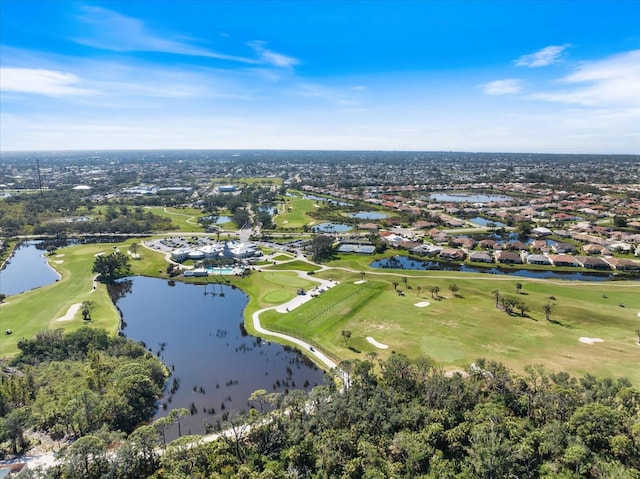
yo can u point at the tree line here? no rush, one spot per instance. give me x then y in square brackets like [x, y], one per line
[398, 418]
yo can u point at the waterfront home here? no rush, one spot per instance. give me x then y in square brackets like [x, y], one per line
[563, 260]
[592, 263]
[622, 264]
[480, 257]
[508, 257]
[452, 254]
[538, 259]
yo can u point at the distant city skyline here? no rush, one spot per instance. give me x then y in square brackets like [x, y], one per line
[486, 76]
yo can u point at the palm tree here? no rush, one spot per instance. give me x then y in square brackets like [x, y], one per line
[496, 293]
[434, 291]
[454, 289]
[523, 308]
[546, 309]
[87, 308]
[346, 334]
[395, 285]
[404, 280]
[518, 287]
[361, 275]
[418, 289]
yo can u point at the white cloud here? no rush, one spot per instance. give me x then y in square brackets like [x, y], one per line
[508, 86]
[41, 81]
[272, 58]
[116, 32]
[542, 58]
[612, 82]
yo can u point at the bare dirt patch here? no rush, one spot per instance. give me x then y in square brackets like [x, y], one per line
[376, 343]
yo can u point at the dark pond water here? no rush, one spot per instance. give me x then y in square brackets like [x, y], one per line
[328, 200]
[271, 209]
[485, 222]
[331, 228]
[215, 363]
[467, 198]
[367, 215]
[403, 262]
[27, 269]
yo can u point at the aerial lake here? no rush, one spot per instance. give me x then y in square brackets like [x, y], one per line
[331, 228]
[368, 215]
[215, 364]
[403, 262]
[26, 269]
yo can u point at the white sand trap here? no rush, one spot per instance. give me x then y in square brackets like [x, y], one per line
[60, 255]
[362, 281]
[590, 340]
[59, 261]
[376, 343]
[71, 312]
[99, 254]
[422, 304]
[639, 315]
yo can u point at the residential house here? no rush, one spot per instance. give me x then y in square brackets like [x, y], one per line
[508, 257]
[592, 263]
[538, 259]
[563, 260]
[622, 264]
[480, 257]
[563, 248]
[452, 254]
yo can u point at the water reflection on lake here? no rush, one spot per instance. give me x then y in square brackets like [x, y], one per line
[367, 215]
[331, 228]
[215, 364]
[27, 269]
[403, 262]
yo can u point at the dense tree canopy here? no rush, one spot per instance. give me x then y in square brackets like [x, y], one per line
[399, 418]
[112, 266]
[77, 383]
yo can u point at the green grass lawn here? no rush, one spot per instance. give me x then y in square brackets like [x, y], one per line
[456, 330]
[186, 219]
[293, 265]
[453, 329]
[294, 214]
[30, 312]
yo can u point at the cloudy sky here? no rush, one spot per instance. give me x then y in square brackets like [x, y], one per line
[508, 76]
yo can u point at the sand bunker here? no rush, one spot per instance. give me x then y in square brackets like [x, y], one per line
[376, 343]
[362, 281]
[59, 261]
[71, 312]
[639, 315]
[422, 304]
[590, 340]
[60, 255]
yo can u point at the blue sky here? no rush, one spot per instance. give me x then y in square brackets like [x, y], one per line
[507, 76]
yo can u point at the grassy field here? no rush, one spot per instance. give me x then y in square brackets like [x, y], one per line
[28, 313]
[453, 329]
[456, 330]
[294, 214]
[186, 219]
